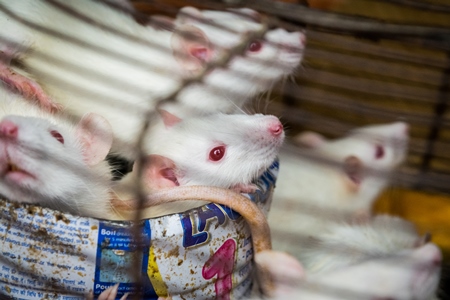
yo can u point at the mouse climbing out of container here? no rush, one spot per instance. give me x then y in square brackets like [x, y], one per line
[200, 160]
[409, 274]
[384, 258]
[411, 263]
[112, 74]
[228, 151]
[48, 161]
[336, 180]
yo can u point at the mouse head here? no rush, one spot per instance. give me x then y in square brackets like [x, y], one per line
[217, 150]
[203, 36]
[43, 161]
[366, 155]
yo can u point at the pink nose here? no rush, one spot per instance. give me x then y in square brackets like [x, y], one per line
[8, 129]
[437, 258]
[276, 128]
[406, 129]
[302, 39]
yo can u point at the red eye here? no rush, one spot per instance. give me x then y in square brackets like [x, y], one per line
[57, 136]
[217, 153]
[379, 152]
[254, 46]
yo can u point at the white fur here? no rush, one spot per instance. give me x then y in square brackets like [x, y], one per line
[311, 196]
[385, 257]
[131, 89]
[62, 180]
[382, 259]
[404, 275]
[250, 148]
[250, 151]
[346, 244]
[122, 104]
[228, 89]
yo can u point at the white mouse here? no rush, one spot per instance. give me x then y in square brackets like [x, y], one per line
[149, 65]
[219, 150]
[266, 60]
[46, 160]
[382, 259]
[335, 180]
[403, 275]
[345, 244]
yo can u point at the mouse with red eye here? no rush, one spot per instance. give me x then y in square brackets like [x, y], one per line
[219, 150]
[48, 161]
[113, 66]
[267, 59]
[335, 180]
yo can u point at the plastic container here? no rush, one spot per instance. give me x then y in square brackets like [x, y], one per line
[198, 254]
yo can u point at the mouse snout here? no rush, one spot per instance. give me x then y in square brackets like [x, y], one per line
[436, 258]
[276, 128]
[8, 129]
[431, 254]
[406, 129]
[401, 128]
[302, 38]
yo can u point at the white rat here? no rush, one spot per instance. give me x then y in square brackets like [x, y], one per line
[124, 85]
[46, 160]
[227, 151]
[345, 244]
[336, 180]
[403, 275]
[383, 258]
[265, 61]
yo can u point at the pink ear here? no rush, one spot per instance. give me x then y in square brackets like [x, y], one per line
[310, 139]
[168, 119]
[96, 136]
[159, 173]
[354, 169]
[191, 48]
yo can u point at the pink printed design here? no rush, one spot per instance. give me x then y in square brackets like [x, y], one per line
[221, 263]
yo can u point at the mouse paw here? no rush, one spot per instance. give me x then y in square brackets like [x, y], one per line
[245, 188]
[28, 88]
[109, 294]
